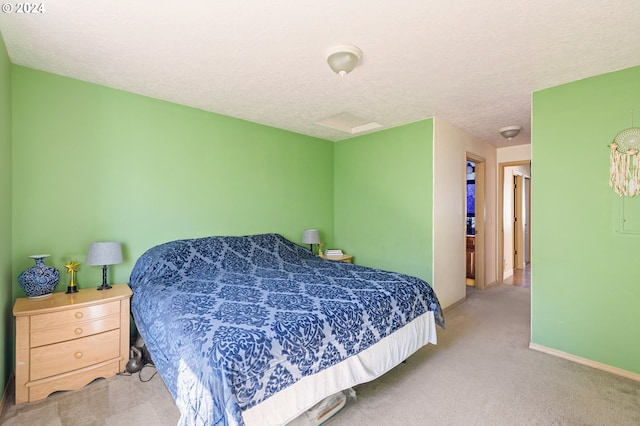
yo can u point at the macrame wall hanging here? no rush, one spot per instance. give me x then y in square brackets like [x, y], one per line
[624, 175]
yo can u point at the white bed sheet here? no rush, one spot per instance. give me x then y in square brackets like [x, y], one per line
[369, 364]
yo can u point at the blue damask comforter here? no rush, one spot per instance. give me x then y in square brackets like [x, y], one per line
[229, 321]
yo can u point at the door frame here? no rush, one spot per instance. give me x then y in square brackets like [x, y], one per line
[501, 179]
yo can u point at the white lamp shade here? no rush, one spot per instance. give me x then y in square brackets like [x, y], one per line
[311, 236]
[104, 253]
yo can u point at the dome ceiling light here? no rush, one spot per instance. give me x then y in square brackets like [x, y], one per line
[510, 132]
[343, 58]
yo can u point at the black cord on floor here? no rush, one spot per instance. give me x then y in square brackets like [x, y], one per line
[126, 373]
[152, 376]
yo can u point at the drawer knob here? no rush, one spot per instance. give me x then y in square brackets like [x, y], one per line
[78, 355]
[79, 315]
[78, 331]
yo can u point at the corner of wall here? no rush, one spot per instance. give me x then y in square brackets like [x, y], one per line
[6, 296]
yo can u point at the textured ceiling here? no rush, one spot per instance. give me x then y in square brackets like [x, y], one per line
[473, 64]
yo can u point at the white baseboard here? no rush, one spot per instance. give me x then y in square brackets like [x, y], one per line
[454, 304]
[584, 361]
[491, 284]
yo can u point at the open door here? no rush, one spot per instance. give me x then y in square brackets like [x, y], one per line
[519, 221]
[527, 220]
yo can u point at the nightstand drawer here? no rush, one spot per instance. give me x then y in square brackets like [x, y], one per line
[60, 358]
[47, 336]
[74, 316]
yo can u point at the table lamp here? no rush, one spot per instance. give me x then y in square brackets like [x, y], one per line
[104, 253]
[311, 237]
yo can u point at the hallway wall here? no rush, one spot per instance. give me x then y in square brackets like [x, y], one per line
[451, 146]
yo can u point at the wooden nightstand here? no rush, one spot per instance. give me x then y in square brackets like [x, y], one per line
[65, 341]
[347, 258]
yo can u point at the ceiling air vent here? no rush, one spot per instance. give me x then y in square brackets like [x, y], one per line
[349, 123]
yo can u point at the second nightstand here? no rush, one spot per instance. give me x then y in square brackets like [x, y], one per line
[347, 258]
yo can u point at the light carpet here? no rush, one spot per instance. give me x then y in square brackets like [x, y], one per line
[480, 373]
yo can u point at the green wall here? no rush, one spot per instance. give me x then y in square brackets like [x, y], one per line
[383, 199]
[586, 280]
[6, 318]
[93, 164]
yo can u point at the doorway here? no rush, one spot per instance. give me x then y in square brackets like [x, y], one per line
[471, 224]
[474, 221]
[514, 205]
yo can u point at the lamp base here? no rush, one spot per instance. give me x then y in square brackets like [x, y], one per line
[104, 285]
[71, 289]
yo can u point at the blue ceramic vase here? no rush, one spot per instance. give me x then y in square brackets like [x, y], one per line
[40, 280]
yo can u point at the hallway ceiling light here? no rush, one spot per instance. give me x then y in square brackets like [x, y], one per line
[510, 132]
[344, 58]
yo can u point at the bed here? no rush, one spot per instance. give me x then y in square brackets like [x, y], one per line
[256, 329]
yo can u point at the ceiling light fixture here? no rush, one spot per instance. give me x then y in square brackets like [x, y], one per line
[510, 132]
[344, 58]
